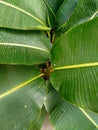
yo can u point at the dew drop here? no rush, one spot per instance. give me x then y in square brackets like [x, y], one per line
[25, 106]
[54, 64]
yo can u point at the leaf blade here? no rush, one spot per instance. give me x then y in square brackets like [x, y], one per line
[88, 116]
[65, 11]
[76, 66]
[77, 71]
[82, 11]
[19, 47]
[30, 17]
[19, 109]
[20, 86]
[52, 6]
[39, 122]
[64, 115]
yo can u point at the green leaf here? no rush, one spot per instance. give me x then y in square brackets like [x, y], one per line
[23, 47]
[23, 14]
[65, 116]
[65, 11]
[93, 115]
[22, 95]
[39, 122]
[53, 6]
[75, 65]
[73, 13]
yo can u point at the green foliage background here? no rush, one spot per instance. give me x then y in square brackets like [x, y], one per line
[49, 62]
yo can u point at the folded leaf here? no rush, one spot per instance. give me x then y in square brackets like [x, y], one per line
[53, 6]
[22, 95]
[75, 65]
[73, 13]
[23, 47]
[40, 119]
[23, 14]
[65, 11]
[65, 116]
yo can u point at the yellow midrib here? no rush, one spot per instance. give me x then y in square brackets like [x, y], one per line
[50, 8]
[22, 45]
[93, 15]
[76, 66]
[23, 11]
[89, 117]
[19, 86]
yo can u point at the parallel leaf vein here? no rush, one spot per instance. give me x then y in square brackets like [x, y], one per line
[89, 117]
[21, 45]
[19, 86]
[21, 10]
[94, 15]
[49, 8]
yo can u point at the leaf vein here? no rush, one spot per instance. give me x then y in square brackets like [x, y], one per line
[21, 10]
[76, 66]
[88, 117]
[21, 45]
[19, 86]
[49, 8]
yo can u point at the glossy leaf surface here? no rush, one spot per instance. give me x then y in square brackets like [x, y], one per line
[22, 95]
[23, 14]
[39, 121]
[65, 11]
[73, 13]
[75, 65]
[23, 47]
[65, 116]
[52, 6]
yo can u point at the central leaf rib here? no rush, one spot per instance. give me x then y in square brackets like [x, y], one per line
[19, 86]
[77, 66]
